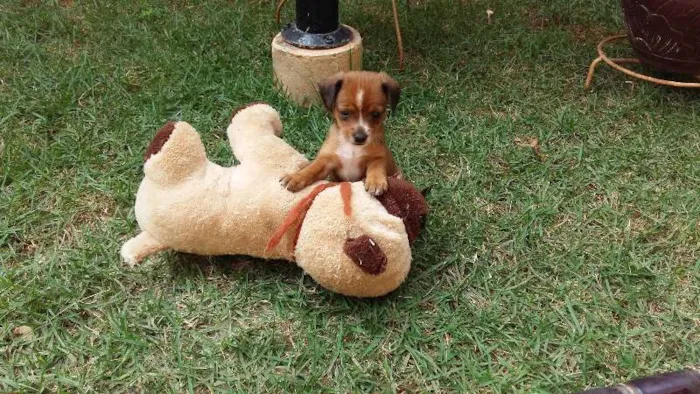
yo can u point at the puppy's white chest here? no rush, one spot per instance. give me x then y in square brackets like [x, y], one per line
[350, 159]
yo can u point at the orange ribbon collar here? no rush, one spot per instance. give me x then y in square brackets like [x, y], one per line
[296, 216]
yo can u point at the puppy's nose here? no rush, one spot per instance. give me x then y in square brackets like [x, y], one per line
[359, 136]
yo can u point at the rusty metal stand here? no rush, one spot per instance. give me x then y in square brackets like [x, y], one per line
[615, 64]
[684, 381]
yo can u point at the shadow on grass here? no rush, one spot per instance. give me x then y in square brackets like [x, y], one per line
[284, 273]
[192, 265]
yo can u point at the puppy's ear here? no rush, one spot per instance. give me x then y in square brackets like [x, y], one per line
[392, 90]
[329, 88]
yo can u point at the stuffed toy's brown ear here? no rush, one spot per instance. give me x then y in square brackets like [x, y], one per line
[329, 88]
[392, 90]
[366, 254]
[403, 200]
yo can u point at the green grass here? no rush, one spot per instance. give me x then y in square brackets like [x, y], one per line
[540, 276]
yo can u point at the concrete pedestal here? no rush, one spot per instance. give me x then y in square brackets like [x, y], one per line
[298, 71]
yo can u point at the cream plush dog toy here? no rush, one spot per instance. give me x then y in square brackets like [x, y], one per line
[347, 240]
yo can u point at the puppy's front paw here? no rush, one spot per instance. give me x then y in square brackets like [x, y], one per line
[376, 186]
[294, 182]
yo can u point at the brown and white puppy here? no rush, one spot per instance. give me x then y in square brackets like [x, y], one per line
[355, 147]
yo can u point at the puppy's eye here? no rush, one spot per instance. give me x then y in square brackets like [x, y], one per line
[344, 115]
[376, 114]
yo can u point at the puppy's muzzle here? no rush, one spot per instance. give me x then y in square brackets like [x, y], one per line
[359, 136]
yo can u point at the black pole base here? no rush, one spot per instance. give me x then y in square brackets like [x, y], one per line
[302, 39]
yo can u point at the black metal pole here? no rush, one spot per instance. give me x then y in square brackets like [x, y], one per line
[316, 26]
[316, 17]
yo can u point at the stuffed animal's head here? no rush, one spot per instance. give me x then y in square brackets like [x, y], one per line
[402, 200]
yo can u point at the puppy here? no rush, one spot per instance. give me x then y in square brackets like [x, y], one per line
[355, 147]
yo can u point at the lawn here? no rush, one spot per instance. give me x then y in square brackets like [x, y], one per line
[574, 268]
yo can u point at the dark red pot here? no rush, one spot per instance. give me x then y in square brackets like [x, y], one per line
[665, 33]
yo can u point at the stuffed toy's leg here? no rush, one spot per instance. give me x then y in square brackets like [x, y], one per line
[254, 135]
[140, 247]
[176, 154]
